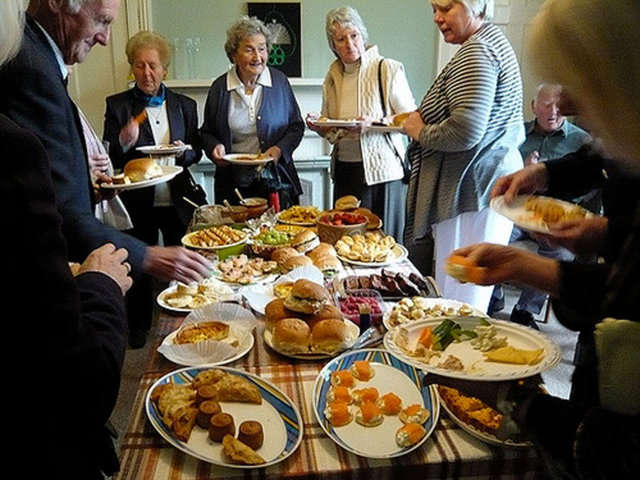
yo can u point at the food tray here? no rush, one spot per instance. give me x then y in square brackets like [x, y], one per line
[376, 318]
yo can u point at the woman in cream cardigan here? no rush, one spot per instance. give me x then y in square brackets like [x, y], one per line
[365, 163]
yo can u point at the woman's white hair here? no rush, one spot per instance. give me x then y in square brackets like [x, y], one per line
[11, 28]
[345, 17]
[591, 48]
[479, 8]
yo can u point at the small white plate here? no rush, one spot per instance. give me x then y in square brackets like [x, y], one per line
[391, 375]
[247, 159]
[186, 241]
[172, 288]
[246, 346]
[475, 365]
[398, 253]
[445, 303]
[166, 149]
[281, 421]
[169, 173]
[516, 212]
[337, 123]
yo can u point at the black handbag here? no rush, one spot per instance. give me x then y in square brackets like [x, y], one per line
[194, 191]
[268, 182]
[404, 161]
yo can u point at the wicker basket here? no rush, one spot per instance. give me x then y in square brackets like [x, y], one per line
[332, 233]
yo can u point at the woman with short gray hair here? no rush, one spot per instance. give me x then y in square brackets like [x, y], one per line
[251, 109]
[362, 84]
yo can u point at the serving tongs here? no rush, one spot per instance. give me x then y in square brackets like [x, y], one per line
[371, 336]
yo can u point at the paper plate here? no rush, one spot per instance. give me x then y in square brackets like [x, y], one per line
[247, 159]
[166, 149]
[169, 173]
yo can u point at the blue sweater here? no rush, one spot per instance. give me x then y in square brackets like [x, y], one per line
[278, 123]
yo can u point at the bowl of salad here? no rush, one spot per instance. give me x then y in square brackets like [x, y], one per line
[269, 240]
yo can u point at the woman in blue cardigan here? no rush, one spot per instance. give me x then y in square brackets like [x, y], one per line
[251, 109]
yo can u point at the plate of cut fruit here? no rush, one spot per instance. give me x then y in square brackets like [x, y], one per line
[373, 405]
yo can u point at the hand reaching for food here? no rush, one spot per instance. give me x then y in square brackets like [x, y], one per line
[111, 262]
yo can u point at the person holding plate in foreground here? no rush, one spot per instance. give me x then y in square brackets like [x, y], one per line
[363, 84]
[596, 435]
[465, 135]
[251, 109]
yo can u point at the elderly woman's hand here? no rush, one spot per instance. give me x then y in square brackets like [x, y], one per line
[531, 179]
[129, 134]
[217, 153]
[585, 236]
[273, 152]
[413, 125]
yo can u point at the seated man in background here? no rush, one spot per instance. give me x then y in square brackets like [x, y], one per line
[549, 136]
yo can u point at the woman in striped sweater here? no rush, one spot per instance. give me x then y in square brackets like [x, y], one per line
[465, 135]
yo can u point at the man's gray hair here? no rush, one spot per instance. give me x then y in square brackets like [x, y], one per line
[74, 6]
[341, 17]
[11, 28]
[243, 28]
[479, 8]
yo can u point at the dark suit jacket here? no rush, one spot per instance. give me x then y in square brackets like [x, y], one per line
[78, 324]
[35, 97]
[183, 125]
[278, 123]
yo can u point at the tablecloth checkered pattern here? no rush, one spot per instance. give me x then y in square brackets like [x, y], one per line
[448, 453]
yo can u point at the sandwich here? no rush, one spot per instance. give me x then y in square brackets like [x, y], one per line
[140, 169]
[329, 265]
[291, 335]
[306, 296]
[322, 249]
[292, 263]
[281, 254]
[120, 179]
[276, 311]
[305, 240]
[348, 202]
[329, 336]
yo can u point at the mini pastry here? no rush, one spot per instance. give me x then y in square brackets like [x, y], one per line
[220, 425]
[390, 404]
[410, 434]
[204, 393]
[239, 452]
[208, 377]
[339, 393]
[250, 433]
[338, 413]
[343, 378]
[206, 410]
[370, 394]
[369, 415]
[414, 414]
[184, 422]
[362, 370]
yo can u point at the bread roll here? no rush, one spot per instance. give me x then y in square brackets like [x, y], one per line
[306, 296]
[329, 336]
[295, 262]
[291, 335]
[281, 254]
[140, 169]
[321, 250]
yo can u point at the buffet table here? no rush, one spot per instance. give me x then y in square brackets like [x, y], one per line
[449, 453]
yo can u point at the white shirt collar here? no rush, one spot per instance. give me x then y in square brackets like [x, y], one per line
[234, 82]
[56, 51]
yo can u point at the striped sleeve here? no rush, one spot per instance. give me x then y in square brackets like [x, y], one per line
[469, 94]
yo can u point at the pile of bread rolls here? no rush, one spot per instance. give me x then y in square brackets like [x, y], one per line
[306, 322]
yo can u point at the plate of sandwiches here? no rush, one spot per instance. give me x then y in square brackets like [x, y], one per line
[183, 298]
[164, 149]
[473, 348]
[476, 418]
[374, 405]
[536, 212]
[248, 159]
[305, 325]
[142, 173]
[224, 416]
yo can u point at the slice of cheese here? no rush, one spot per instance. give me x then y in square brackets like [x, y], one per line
[511, 354]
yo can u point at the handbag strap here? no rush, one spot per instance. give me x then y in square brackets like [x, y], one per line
[384, 110]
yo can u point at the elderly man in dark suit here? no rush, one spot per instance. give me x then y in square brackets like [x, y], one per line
[59, 33]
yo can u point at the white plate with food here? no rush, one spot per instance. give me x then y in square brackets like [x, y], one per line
[244, 348]
[300, 215]
[165, 149]
[181, 298]
[397, 254]
[277, 425]
[409, 310]
[215, 238]
[477, 419]
[537, 212]
[499, 351]
[351, 334]
[240, 270]
[394, 395]
[169, 172]
[247, 159]
[328, 122]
